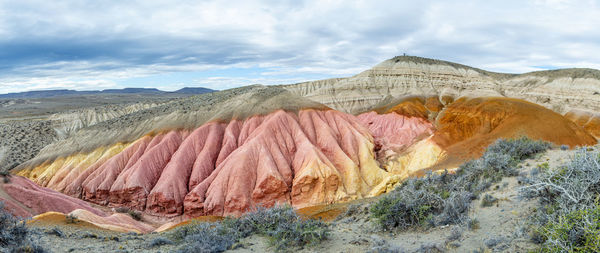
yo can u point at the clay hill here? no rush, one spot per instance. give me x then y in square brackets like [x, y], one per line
[308, 144]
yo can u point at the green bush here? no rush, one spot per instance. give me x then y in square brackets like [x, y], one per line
[577, 231]
[568, 219]
[442, 199]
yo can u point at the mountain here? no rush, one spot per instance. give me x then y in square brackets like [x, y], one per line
[193, 90]
[65, 92]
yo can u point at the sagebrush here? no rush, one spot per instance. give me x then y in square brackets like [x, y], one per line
[442, 199]
[281, 225]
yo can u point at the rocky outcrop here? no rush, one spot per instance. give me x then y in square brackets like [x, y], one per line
[463, 129]
[305, 159]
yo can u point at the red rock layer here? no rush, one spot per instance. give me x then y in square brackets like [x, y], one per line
[395, 132]
[193, 162]
[96, 186]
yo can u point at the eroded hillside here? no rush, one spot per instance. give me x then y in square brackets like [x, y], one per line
[309, 144]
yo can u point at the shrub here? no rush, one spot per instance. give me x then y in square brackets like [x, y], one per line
[133, 213]
[281, 225]
[568, 219]
[455, 234]
[159, 241]
[577, 231]
[5, 174]
[442, 199]
[15, 236]
[488, 200]
[309, 232]
[473, 224]
[71, 219]
[209, 237]
[56, 231]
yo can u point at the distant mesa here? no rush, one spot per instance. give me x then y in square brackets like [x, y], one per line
[65, 92]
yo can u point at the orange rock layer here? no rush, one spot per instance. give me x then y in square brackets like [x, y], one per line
[588, 120]
[468, 125]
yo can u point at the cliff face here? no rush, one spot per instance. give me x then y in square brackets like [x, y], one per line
[559, 90]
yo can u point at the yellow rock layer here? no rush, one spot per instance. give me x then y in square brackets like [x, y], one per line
[52, 173]
[116, 222]
[421, 155]
[76, 169]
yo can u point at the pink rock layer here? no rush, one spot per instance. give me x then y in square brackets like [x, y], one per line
[395, 132]
[133, 185]
[96, 186]
[305, 158]
[24, 198]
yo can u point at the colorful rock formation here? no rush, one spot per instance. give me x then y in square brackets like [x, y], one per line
[304, 158]
[300, 158]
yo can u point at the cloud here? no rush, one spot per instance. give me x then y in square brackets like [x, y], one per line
[86, 45]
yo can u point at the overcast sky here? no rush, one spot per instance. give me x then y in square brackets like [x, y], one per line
[222, 44]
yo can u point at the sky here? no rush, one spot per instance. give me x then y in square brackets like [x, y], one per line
[91, 45]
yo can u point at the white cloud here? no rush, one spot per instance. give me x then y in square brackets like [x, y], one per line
[80, 44]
